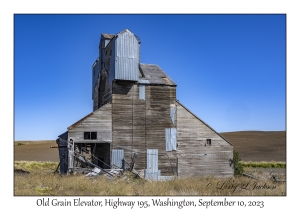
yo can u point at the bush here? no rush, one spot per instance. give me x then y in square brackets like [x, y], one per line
[238, 167]
[263, 164]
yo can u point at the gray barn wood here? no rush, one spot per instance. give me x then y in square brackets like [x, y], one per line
[135, 122]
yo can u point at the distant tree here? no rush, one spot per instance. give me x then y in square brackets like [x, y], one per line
[238, 168]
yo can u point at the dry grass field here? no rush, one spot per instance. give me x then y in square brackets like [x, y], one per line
[35, 161]
[35, 178]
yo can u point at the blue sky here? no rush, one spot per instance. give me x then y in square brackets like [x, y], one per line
[230, 70]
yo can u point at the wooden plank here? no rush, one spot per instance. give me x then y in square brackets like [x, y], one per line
[197, 158]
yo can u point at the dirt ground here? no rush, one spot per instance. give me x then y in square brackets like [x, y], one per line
[35, 151]
[259, 145]
[251, 145]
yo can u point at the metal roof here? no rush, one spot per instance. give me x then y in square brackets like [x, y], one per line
[108, 36]
[155, 75]
[128, 30]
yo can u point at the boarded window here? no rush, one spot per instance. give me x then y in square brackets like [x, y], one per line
[152, 171]
[90, 135]
[117, 158]
[171, 141]
[142, 91]
[172, 114]
[152, 160]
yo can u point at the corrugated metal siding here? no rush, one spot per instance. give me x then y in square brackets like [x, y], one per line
[142, 92]
[152, 171]
[168, 140]
[152, 160]
[173, 139]
[171, 142]
[117, 158]
[172, 114]
[152, 175]
[127, 57]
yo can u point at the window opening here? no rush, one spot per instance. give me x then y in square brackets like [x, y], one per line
[90, 135]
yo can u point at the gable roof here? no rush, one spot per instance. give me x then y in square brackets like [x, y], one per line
[79, 121]
[114, 36]
[129, 31]
[87, 116]
[203, 122]
[155, 75]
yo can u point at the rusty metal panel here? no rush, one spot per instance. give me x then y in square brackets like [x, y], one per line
[117, 158]
[127, 56]
[142, 92]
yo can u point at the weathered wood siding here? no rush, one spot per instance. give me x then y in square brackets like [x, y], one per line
[140, 124]
[96, 97]
[122, 117]
[158, 105]
[100, 121]
[195, 157]
[104, 91]
[135, 125]
[102, 88]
